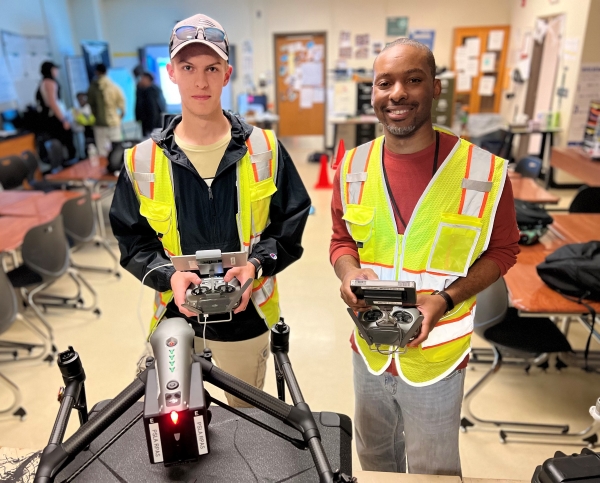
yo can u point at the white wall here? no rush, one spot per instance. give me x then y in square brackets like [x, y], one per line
[130, 24]
[523, 21]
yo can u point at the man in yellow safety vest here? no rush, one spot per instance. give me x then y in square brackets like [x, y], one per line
[211, 181]
[418, 204]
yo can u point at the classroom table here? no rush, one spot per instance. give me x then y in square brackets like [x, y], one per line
[14, 196]
[527, 189]
[13, 230]
[528, 293]
[577, 163]
[45, 207]
[91, 177]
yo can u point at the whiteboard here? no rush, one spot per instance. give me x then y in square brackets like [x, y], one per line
[77, 76]
[24, 55]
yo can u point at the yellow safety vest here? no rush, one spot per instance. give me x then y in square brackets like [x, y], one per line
[151, 174]
[449, 229]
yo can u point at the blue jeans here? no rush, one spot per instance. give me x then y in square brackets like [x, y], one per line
[395, 421]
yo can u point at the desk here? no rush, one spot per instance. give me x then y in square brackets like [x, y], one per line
[526, 289]
[527, 189]
[577, 163]
[45, 207]
[506, 147]
[350, 121]
[15, 145]
[13, 196]
[13, 230]
[84, 171]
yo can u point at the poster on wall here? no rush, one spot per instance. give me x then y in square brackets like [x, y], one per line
[362, 40]
[362, 53]
[248, 65]
[396, 26]
[95, 52]
[345, 38]
[588, 90]
[345, 53]
[377, 47]
[425, 36]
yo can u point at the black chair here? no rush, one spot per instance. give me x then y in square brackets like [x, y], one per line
[587, 200]
[55, 154]
[45, 254]
[529, 167]
[525, 340]
[12, 172]
[81, 227]
[117, 153]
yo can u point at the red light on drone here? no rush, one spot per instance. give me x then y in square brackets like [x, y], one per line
[174, 417]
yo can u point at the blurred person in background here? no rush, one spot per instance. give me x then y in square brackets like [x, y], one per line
[149, 104]
[53, 114]
[108, 106]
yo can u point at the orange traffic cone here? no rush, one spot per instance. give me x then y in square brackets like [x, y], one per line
[341, 152]
[323, 182]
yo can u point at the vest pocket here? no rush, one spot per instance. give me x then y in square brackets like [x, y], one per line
[260, 201]
[157, 213]
[360, 222]
[454, 244]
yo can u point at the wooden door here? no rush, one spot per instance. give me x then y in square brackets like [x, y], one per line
[300, 91]
[493, 44]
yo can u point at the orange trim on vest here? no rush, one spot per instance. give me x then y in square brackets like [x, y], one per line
[256, 289]
[457, 319]
[362, 186]
[269, 148]
[133, 166]
[447, 342]
[379, 264]
[349, 171]
[487, 193]
[464, 190]
[423, 271]
[268, 298]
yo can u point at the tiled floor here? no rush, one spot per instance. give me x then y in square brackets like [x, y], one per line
[111, 345]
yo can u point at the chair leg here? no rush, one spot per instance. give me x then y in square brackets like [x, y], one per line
[586, 436]
[45, 323]
[469, 419]
[115, 269]
[28, 347]
[15, 409]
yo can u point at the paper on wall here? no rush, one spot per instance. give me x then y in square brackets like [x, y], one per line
[488, 62]
[306, 98]
[463, 82]
[486, 85]
[345, 38]
[473, 46]
[495, 40]
[571, 49]
[312, 74]
[460, 58]
[318, 95]
[472, 69]
[588, 89]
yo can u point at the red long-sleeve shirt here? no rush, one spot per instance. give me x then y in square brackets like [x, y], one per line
[408, 176]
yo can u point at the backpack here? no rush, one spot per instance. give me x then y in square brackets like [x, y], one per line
[532, 221]
[573, 270]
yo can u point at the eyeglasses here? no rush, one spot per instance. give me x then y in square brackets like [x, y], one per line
[210, 34]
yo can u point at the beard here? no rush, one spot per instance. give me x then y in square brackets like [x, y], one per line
[405, 131]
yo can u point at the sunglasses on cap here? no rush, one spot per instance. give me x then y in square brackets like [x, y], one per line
[210, 34]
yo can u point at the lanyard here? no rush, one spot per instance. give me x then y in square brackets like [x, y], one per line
[435, 167]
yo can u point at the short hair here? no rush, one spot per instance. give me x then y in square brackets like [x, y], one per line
[148, 75]
[413, 43]
[100, 68]
[81, 94]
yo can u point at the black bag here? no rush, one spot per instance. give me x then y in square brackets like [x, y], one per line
[584, 467]
[573, 270]
[532, 221]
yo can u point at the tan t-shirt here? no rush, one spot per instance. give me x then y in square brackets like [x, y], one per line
[205, 159]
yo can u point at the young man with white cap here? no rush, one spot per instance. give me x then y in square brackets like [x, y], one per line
[211, 181]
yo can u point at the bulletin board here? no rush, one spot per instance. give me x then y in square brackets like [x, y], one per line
[300, 66]
[23, 57]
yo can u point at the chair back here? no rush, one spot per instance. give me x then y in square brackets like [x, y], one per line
[116, 157]
[8, 303]
[78, 218]
[492, 305]
[529, 167]
[55, 153]
[587, 200]
[45, 249]
[32, 163]
[12, 172]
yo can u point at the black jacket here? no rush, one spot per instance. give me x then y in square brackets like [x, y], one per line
[206, 220]
[149, 106]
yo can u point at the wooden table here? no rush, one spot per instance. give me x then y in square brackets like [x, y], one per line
[84, 171]
[527, 189]
[45, 207]
[15, 145]
[526, 289]
[14, 196]
[577, 163]
[14, 228]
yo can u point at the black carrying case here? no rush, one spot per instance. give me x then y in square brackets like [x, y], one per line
[239, 452]
[584, 467]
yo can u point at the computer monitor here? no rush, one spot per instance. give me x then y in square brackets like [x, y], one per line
[8, 117]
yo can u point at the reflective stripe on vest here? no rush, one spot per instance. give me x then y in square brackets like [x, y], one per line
[459, 204]
[150, 172]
